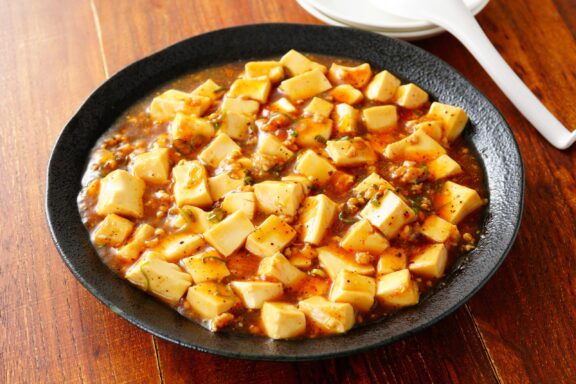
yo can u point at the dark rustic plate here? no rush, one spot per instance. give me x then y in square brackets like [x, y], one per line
[488, 133]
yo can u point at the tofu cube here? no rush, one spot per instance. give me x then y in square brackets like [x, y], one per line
[318, 107]
[439, 230]
[255, 89]
[318, 213]
[333, 260]
[454, 119]
[270, 237]
[113, 231]
[433, 128]
[121, 193]
[209, 89]
[430, 262]
[383, 118]
[247, 107]
[255, 293]
[278, 197]
[361, 237]
[391, 260]
[131, 251]
[346, 93]
[220, 147]
[153, 167]
[191, 184]
[370, 185]
[410, 96]
[282, 320]
[346, 118]
[273, 70]
[296, 63]
[270, 145]
[222, 184]
[315, 167]
[397, 289]
[417, 147]
[301, 180]
[278, 267]
[455, 202]
[351, 153]
[178, 245]
[312, 133]
[328, 316]
[442, 167]
[355, 289]
[357, 76]
[388, 213]
[210, 299]
[305, 85]
[163, 279]
[282, 105]
[236, 125]
[169, 103]
[382, 87]
[229, 234]
[240, 201]
[191, 219]
[190, 129]
[206, 266]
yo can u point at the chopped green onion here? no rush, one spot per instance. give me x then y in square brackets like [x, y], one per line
[292, 133]
[216, 215]
[347, 220]
[318, 273]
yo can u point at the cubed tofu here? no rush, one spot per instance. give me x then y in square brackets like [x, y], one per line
[190, 129]
[454, 119]
[346, 118]
[178, 245]
[351, 153]
[333, 260]
[278, 197]
[433, 128]
[273, 70]
[236, 125]
[191, 219]
[131, 251]
[161, 278]
[220, 147]
[282, 320]
[248, 107]
[439, 230]
[430, 262]
[355, 289]
[240, 201]
[370, 185]
[305, 85]
[229, 234]
[210, 299]
[153, 167]
[382, 118]
[191, 184]
[455, 202]
[442, 167]
[113, 231]
[382, 87]
[209, 89]
[255, 293]
[206, 266]
[388, 213]
[282, 105]
[318, 213]
[397, 289]
[301, 180]
[270, 237]
[121, 193]
[222, 184]
[270, 145]
[357, 76]
[328, 316]
[255, 89]
[361, 237]
[318, 107]
[391, 260]
[346, 93]
[296, 63]
[315, 167]
[312, 133]
[410, 96]
[278, 267]
[417, 147]
[165, 106]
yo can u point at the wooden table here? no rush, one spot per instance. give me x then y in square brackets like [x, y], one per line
[519, 328]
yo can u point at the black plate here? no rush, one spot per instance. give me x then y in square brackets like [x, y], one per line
[488, 133]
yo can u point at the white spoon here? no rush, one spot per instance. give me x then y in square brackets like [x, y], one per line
[453, 16]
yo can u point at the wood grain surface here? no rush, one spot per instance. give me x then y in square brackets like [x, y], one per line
[520, 328]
